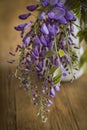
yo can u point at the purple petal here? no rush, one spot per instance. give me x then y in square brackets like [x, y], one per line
[64, 72]
[24, 16]
[45, 2]
[43, 16]
[52, 92]
[53, 29]
[60, 4]
[57, 62]
[57, 88]
[53, 2]
[50, 45]
[59, 12]
[40, 65]
[62, 20]
[36, 51]
[44, 29]
[43, 41]
[63, 43]
[72, 28]
[20, 27]
[28, 59]
[26, 40]
[70, 16]
[50, 101]
[32, 7]
[70, 41]
[51, 15]
[37, 40]
[28, 25]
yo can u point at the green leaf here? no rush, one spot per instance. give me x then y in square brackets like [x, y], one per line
[49, 54]
[83, 59]
[61, 53]
[57, 75]
[82, 34]
[57, 71]
[53, 69]
[57, 79]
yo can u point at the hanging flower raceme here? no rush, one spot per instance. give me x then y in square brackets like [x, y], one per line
[47, 48]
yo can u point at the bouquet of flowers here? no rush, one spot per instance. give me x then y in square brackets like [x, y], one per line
[48, 49]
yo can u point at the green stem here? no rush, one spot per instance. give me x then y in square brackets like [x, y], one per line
[71, 65]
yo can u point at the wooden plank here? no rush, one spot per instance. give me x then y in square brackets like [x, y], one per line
[18, 113]
[8, 103]
[66, 114]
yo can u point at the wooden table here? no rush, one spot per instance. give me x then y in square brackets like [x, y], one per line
[69, 111]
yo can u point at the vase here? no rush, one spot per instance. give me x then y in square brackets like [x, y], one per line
[75, 74]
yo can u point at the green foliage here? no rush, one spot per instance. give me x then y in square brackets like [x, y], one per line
[57, 75]
[75, 6]
[61, 53]
[82, 34]
[49, 54]
[53, 69]
[83, 59]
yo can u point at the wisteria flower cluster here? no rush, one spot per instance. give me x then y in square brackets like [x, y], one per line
[47, 49]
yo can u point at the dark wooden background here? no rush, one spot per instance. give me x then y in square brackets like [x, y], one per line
[69, 111]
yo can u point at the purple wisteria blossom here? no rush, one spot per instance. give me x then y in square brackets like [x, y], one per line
[46, 51]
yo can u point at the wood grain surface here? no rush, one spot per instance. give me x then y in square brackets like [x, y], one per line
[17, 112]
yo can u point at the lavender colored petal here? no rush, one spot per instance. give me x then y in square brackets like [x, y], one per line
[36, 51]
[70, 16]
[57, 62]
[60, 4]
[28, 25]
[59, 12]
[43, 41]
[53, 2]
[50, 45]
[20, 27]
[43, 16]
[44, 29]
[28, 59]
[52, 92]
[70, 41]
[62, 20]
[64, 43]
[64, 72]
[45, 2]
[51, 15]
[71, 28]
[37, 40]
[40, 65]
[26, 41]
[53, 29]
[57, 87]
[50, 101]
